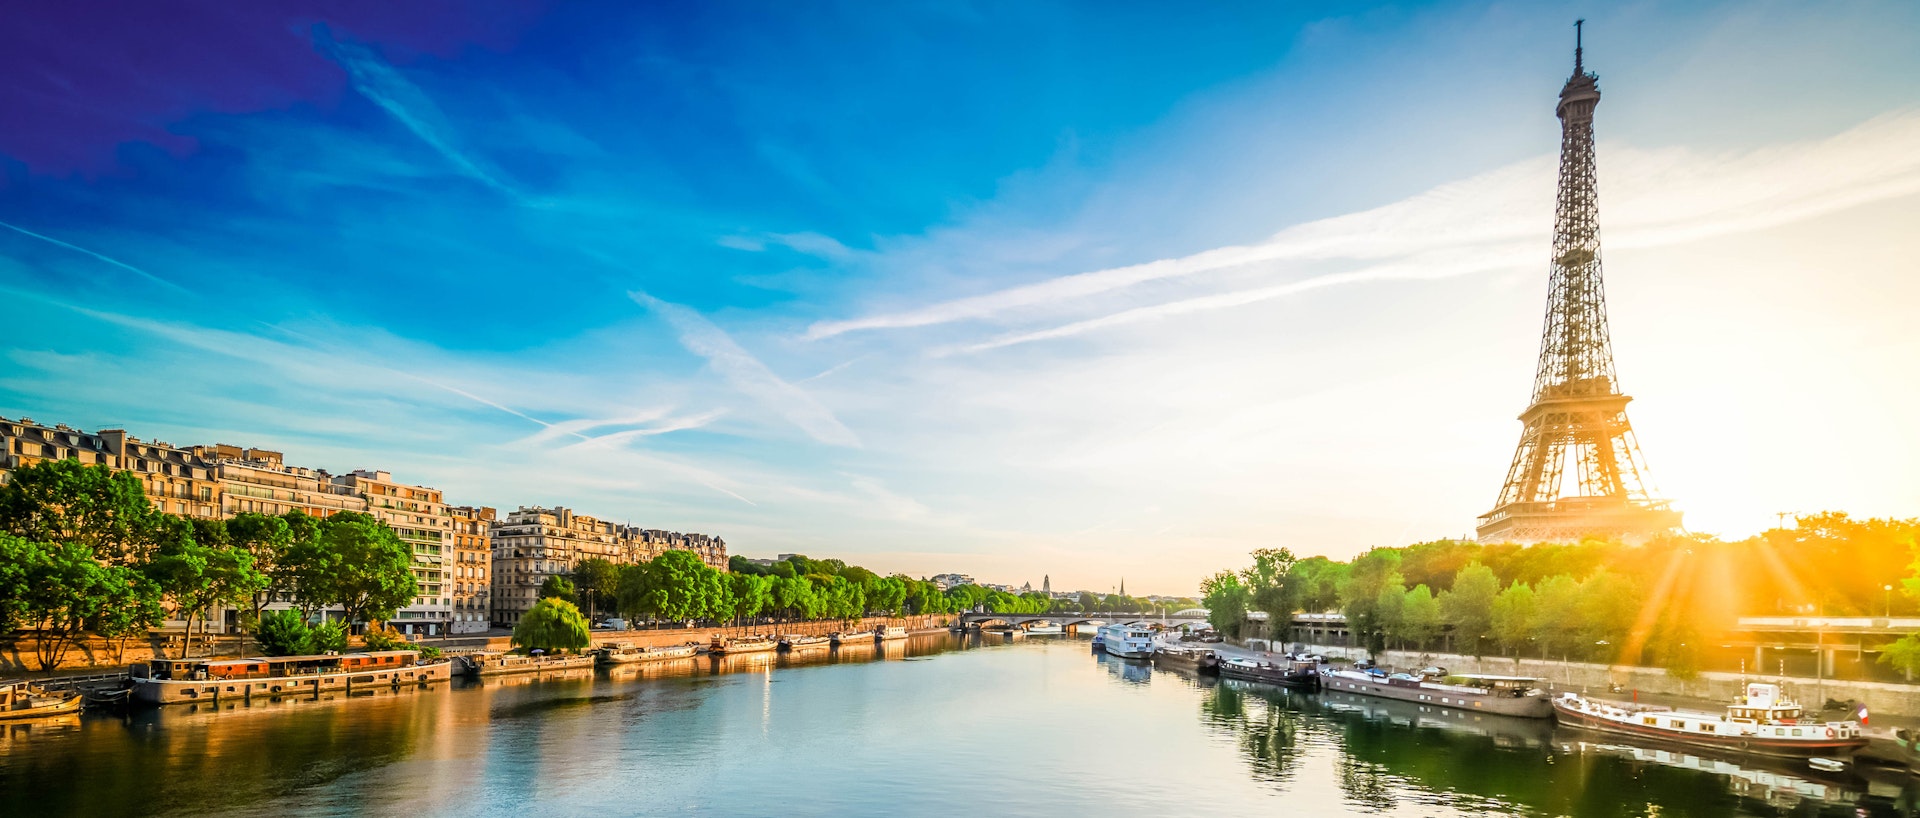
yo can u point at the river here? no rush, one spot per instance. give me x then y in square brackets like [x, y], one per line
[938, 725]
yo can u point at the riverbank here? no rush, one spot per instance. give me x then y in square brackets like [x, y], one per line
[98, 656]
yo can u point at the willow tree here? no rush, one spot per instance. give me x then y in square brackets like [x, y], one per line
[552, 624]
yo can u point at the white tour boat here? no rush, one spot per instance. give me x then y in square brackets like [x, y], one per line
[1127, 641]
[1764, 721]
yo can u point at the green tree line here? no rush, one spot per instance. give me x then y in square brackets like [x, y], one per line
[1596, 599]
[82, 551]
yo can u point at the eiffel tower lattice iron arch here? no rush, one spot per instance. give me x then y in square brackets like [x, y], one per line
[1578, 414]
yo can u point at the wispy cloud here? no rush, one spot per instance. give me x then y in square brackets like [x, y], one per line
[394, 93]
[1488, 222]
[100, 256]
[746, 373]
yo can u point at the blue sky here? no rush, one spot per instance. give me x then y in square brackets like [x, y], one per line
[1013, 289]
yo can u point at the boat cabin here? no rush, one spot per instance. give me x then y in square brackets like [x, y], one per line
[1763, 703]
[267, 667]
[1510, 686]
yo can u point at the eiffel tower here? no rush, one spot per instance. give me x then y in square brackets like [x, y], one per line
[1578, 413]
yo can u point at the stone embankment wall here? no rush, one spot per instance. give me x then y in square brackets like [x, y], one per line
[1880, 697]
[17, 657]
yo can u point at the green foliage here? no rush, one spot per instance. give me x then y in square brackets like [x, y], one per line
[94, 507]
[751, 594]
[356, 562]
[597, 584]
[284, 633]
[1513, 618]
[553, 625]
[1467, 609]
[1226, 601]
[1269, 586]
[675, 586]
[557, 587]
[1903, 654]
[329, 637]
[1419, 616]
[198, 576]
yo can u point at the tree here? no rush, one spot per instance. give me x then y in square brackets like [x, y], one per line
[1373, 579]
[675, 585]
[1226, 600]
[266, 539]
[198, 576]
[356, 562]
[750, 593]
[61, 501]
[1609, 603]
[65, 588]
[552, 624]
[1556, 616]
[18, 556]
[1270, 591]
[284, 633]
[1467, 609]
[556, 587]
[1512, 616]
[1420, 616]
[130, 606]
[598, 583]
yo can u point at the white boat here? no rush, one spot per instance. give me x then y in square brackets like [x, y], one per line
[794, 641]
[1505, 695]
[1764, 721]
[624, 654]
[1127, 641]
[1044, 629]
[890, 632]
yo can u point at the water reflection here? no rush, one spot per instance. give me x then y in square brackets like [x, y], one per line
[863, 730]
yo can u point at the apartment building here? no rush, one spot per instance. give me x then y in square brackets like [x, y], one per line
[469, 568]
[259, 481]
[641, 545]
[534, 543]
[417, 514]
[176, 480]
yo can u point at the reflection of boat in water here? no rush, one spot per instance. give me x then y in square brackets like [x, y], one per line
[1133, 672]
[1505, 695]
[22, 700]
[625, 654]
[1505, 731]
[1746, 778]
[1764, 721]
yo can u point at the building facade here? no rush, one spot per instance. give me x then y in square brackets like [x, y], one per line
[417, 514]
[534, 543]
[176, 480]
[469, 570]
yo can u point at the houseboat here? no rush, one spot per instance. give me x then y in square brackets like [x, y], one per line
[1765, 720]
[1127, 641]
[22, 700]
[857, 637]
[794, 641]
[889, 633]
[1192, 660]
[757, 643]
[1506, 695]
[490, 663]
[625, 654]
[1296, 673]
[173, 681]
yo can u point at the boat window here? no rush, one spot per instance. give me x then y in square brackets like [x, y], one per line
[1651, 721]
[1677, 724]
[1706, 728]
[1796, 731]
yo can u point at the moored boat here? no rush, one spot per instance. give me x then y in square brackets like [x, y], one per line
[1191, 660]
[890, 632]
[1297, 673]
[1765, 720]
[723, 645]
[173, 681]
[20, 699]
[856, 637]
[488, 663]
[1506, 695]
[626, 654]
[1045, 629]
[794, 641]
[1126, 641]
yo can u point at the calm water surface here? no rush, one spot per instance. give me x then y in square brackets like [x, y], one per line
[937, 726]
